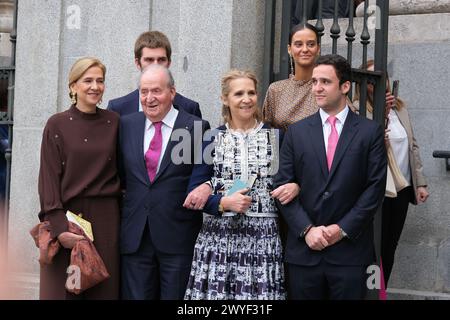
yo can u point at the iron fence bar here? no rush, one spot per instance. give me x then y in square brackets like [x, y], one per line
[365, 37]
[335, 29]
[365, 40]
[372, 77]
[304, 10]
[4, 70]
[350, 33]
[381, 52]
[319, 24]
[350, 37]
[286, 18]
[269, 40]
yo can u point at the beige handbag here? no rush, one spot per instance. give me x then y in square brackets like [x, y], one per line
[397, 176]
[391, 191]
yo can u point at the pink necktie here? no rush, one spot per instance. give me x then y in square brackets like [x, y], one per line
[332, 140]
[154, 152]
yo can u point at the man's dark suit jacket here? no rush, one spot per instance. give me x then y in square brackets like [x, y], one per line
[130, 104]
[349, 195]
[173, 229]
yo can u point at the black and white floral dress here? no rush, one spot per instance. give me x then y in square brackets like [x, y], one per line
[237, 256]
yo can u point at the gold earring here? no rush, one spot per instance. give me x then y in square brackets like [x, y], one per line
[73, 97]
[291, 60]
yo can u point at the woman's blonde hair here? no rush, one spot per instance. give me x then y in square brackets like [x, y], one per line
[369, 105]
[231, 75]
[80, 67]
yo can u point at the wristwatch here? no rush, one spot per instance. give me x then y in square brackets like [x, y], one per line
[343, 233]
[220, 210]
[209, 183]
[306, 230]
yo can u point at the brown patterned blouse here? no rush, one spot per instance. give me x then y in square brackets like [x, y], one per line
[288, 101]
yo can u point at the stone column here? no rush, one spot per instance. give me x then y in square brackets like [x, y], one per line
[208, 40]
[6, 25]
[401, 7]
[418, 6]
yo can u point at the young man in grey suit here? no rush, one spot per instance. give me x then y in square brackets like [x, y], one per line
[151, 47]
[339, 160]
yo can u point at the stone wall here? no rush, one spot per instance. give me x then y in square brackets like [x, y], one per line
[408, 7]
[207, 41]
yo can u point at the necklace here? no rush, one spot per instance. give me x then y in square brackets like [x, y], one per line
[243, 131]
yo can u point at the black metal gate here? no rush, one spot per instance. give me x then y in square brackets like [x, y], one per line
[289, 8]
[7, 77]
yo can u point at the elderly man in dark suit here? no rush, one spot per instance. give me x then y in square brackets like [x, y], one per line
[339, 160]
[157, 233]
[151, 47]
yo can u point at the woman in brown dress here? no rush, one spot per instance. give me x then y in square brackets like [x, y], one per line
[78, 173]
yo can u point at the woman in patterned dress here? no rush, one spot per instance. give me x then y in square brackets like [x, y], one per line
[238, 252]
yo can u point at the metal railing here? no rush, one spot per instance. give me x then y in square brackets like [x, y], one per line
[440, 154]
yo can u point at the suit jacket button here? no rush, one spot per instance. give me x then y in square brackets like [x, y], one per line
[326, 194]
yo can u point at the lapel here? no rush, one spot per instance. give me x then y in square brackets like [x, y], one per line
[316, 134]
[180, 123]
[348, 133]
[135, 100]
[138, 146]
